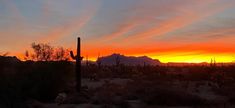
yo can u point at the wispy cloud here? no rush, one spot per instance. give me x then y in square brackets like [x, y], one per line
[133, 27]
[70, 25]
[122, 30]
[66, 29]
[188, 17]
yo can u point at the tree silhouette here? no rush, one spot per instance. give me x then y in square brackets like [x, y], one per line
[42, 52]
[46, 52]
[61, 54]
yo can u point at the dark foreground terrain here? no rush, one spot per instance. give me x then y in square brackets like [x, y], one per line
[39, 84]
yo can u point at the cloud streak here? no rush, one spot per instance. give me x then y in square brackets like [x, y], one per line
[133, 27]
[70, 25]
[178, 22]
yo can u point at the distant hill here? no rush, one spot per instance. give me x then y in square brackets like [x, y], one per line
[128, 60]
[9, 60]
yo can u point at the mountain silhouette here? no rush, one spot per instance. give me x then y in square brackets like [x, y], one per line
[127, 60]
[9, 60]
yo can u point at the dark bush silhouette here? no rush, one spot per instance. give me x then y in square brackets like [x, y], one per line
[45, 80]
[46, 52]
[20, 81]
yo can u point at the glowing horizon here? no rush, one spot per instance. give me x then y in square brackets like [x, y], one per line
[177, 58]
[191, 31]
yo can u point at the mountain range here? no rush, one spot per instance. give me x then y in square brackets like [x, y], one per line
[127, 60]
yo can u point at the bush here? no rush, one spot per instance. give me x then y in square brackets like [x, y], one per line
[171, 98]
[45, 80]
[38, 80]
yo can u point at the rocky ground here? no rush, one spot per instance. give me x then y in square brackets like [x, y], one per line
[202, 89]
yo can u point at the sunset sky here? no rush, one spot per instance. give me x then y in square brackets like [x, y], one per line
[168, 30]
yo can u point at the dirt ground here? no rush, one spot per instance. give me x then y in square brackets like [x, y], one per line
[202, 89]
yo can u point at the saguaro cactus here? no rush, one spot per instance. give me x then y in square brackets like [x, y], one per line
[78, 59]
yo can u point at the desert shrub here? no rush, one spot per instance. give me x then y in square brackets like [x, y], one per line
[110, 94]
[171, 98]
[227, 91]
[10, 90]
[20, 81]
[160, 93]
[10, 94]
[44, 80]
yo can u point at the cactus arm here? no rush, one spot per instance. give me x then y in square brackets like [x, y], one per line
[72, 55]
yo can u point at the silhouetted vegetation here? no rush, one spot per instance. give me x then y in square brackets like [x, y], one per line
[20, 81]
[103, 85]
[46, 52]
[78, 60]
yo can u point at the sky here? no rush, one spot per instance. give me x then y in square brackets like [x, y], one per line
[168, 30]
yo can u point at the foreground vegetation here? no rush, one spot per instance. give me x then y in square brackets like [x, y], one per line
[22, 83]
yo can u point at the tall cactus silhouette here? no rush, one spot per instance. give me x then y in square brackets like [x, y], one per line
[78, 59]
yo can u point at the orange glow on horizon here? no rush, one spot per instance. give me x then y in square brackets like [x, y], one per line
[200, 58]
[188, 53]
[175, 57]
